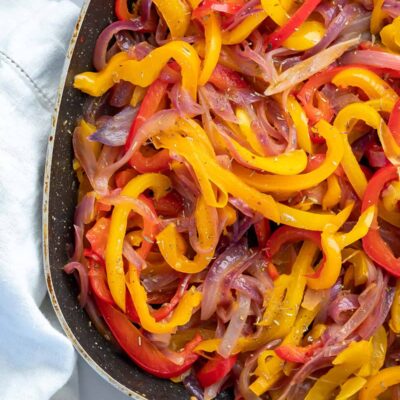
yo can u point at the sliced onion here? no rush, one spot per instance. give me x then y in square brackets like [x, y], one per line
[313, 298]
[373, 58]
[241, 206]
[212, 391]
[343, 19]
[218, 103]
[378, 316]
[192, 385]
[235, 327]
[184, 103]
[392, 7]
[84, 211]
[234, 256]
[115, 131]
[132, 256]
[339, 308]
[249, 286]
[121, 94]
[84, 153]
[307, 68]
[368, 299]
[83, 279]
[78, 243]
[250, 8]
[163, 120]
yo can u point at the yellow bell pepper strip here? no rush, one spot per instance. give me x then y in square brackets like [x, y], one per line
[176, 14]
[269, 371]
[359, 262]
[377, 17]
[275, 39]
[372, 118]
[390, 35]
[346, 363]
[333, 193]
[377, 359]
[351, 387]
[159, 184]
[86, 130]
[306, 36]
[270, 183]
[380, 382]
[394, 322]
[290, 163]
[274, 299]
[359, 230]
[332, 243]
[145, 71]
[213, 36]
[244, 29]
[270, 366]
[168, 240]
[300, 122]
[295, 291]
[274, 9]
[228, 182]
[244, 122]
[180, 316]
[391, 196]
[369, 82]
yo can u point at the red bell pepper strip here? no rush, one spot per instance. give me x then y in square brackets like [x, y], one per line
[263, 232]
[149, 106]
[276, 38]
[98, 235]
[98, 276]
[170, 205]
[141, 350]
[375, 247]
[272, 271]
[223, 78]
[149, 230]
[297, 354]
[123, 177]
[226, 7]
[122, 11]
[394, 122]
[215, 369]
[287, 234]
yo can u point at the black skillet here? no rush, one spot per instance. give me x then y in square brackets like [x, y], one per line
[59, 200]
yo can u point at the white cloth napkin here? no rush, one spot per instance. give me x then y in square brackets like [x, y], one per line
[35, 359]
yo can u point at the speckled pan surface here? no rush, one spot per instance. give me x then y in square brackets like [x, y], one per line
[58, 208]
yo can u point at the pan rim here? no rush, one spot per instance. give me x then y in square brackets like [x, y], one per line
[45, 218]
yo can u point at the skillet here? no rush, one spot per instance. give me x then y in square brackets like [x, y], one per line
[59, 201]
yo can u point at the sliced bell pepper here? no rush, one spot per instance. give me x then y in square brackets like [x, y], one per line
[149, 230]
[215, 369]
[275, 10]
[368, 81]
[394, 122]
[168, 240]
[122, 11]
[97, 235]
[308, 34]
[300, 122]
[345, 364]
[371, 117]
[394, 322]
[271, 183]
[296, 354]
[170, 205]
[350, 388]
[390, 35]
[276, 39]
[213, 38]
[263, 232]
[226, 7]
[145, 71]
[159, 184]
[377, 17]
[375, 247]
[176, 14]
[333, 194]
[141, 350]
[180, 316]
[244, 29]
[380, 382]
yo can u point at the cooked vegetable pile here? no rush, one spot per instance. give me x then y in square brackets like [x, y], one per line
[238, 216]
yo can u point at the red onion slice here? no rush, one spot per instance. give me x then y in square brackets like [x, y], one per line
[83, 279]
[116, 129]
[373, 58]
